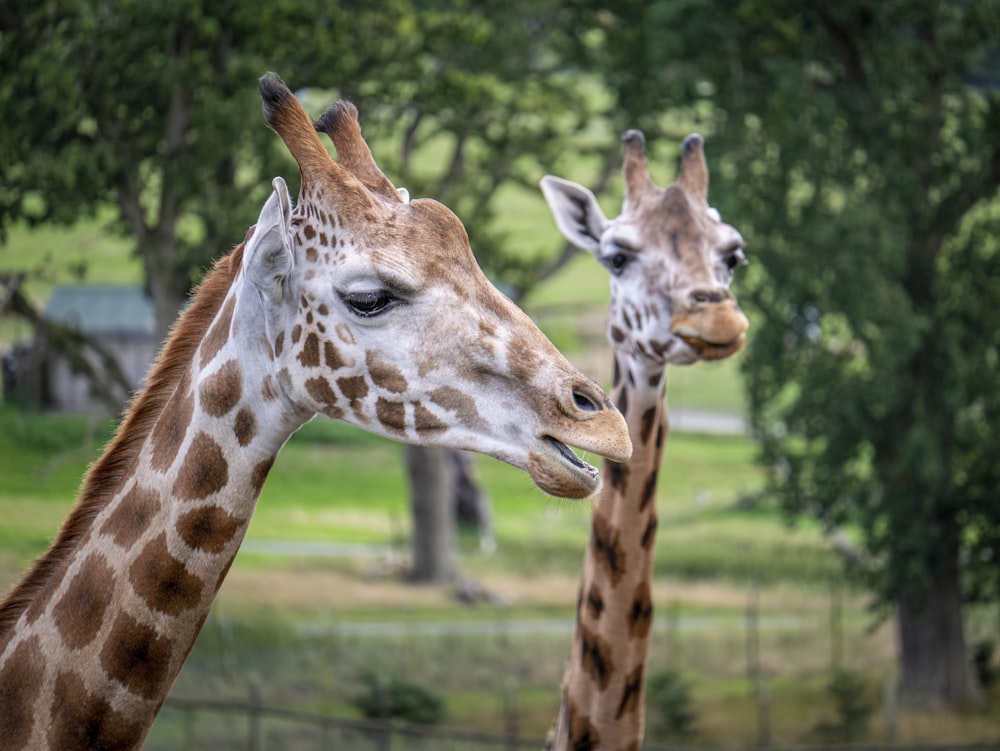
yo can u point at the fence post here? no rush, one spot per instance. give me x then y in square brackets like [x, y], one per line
[673, 625]
[836, 628]
[253, 716]
[889, 706]
[758, 689]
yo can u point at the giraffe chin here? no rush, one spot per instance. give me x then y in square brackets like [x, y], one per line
[714, 350]
[558, 471]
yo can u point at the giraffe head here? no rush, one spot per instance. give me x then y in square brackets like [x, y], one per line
[378, 314]
[670, 256]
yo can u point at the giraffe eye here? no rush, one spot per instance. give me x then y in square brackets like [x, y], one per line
[617, 261]
[368, 303]
[735, 258]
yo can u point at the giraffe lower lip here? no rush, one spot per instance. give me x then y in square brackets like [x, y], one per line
[713, 350]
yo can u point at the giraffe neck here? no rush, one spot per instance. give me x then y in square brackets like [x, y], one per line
[94, 637]
[603, 702]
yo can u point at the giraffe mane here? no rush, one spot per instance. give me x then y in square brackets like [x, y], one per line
[119, 456]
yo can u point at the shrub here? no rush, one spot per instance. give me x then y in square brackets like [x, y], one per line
[669, 707]
[852, 708]
[385, 698]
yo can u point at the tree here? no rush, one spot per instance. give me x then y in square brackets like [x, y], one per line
[860, 153]
[154, 110]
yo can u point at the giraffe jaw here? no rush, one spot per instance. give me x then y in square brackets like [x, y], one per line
[558, 471]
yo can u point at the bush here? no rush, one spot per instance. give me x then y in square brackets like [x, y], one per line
[385, 698]
[670, 710]
[847, 690]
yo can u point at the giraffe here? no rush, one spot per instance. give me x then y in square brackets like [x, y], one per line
[671, 259]
[356, 304]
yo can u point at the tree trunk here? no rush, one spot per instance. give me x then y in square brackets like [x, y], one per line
[432, 492]
[934, 663]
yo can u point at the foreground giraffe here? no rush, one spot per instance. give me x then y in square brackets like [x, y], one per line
[671, 260]
[355, 304]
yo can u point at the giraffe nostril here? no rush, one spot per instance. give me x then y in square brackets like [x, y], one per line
[584, 402]
[709, 296]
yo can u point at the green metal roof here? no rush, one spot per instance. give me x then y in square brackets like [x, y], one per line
[102, 308]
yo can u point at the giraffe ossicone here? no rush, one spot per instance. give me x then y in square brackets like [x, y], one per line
[671, 259]
[354, 303]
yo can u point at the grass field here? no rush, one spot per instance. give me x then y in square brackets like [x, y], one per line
[301, 629]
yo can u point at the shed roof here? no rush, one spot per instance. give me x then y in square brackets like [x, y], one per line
[102, 308]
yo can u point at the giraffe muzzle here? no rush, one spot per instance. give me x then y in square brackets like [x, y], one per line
[714, 333]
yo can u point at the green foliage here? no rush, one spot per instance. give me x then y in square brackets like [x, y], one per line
[856, 182]
[669, 707]
[853, 710]
[391, 697]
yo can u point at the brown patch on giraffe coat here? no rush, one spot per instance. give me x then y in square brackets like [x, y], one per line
[425, 421]
[583, 734]
[320, 390]
[384, 374]
[649, 533]
[331, 355]
[79, 614]
[354, 389]
[648, 490]
[20, 686]
[162, 581]
[463, 405]
[171, 427]
[218, 335]
[594, 602]
[137, 656]
[209, 528]
[296, 333]
[131, 516]
[312, 255]
[204, 470]
[621, 401]
[618, 474]
[309, 231]
[259, 474]
[595, 657]
[309, 354]
[631, 693]
[279, 343]
[640, 612]
[608, 551]
[391, 414]
[647, 423]
[245, 426]
[617, 335]
[80, 720]
[267, 389]
[221, 391]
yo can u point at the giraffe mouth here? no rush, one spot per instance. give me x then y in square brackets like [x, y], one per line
[570, 456]
[708, 350]
[558, 471]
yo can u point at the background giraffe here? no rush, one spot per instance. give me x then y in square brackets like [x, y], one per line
[671, 260]
[356, 304]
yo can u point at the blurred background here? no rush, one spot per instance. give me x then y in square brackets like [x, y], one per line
[827, 561]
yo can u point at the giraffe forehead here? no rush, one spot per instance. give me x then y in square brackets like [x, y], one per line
[418, 243]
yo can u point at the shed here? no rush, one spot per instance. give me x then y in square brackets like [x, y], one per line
[120, 317]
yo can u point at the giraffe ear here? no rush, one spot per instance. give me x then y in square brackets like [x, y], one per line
[268, 259]
[576, 211]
